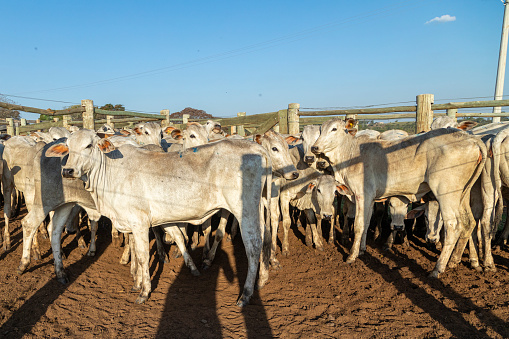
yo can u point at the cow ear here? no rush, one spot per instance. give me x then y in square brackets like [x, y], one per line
[350, 123]
[310, 188]
[192, 123]
[106, 146]
[291, 139]
[124, 132]
[467, 125]
[169, 129]
[258, 138]
[137, 130]
[414, 214]
[342, 189]
[57, 151]
[176, 134]
[5, 136]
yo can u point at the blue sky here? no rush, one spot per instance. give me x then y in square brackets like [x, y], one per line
[258, 56]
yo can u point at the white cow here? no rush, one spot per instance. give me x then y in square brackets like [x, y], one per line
[135, 189]
[410, 167]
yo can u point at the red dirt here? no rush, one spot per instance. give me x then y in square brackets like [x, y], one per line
[314, 294]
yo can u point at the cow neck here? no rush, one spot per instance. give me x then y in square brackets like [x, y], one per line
[96, 177]
[342, 155]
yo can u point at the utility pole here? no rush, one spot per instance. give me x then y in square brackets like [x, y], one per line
[499, 87]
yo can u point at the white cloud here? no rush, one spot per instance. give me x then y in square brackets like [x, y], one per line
[443, 18]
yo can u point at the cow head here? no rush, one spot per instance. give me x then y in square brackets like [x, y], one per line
[194, 135]
[332, 134]
[323, 194]
[84, 148]
[213, 127]
[310, 134]
[279, 154]
[398, 207]
[148, 133]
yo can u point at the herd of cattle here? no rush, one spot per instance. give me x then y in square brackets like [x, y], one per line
[147, 176]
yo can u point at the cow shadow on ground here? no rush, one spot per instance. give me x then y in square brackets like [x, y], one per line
[34, 308]
[417, 292]
[202, 307]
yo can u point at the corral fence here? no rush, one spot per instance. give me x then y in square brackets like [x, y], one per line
[287, 121]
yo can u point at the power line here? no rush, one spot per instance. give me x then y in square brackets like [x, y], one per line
[388, 10]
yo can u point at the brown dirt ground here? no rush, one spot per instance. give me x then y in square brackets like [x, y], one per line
[314, 294]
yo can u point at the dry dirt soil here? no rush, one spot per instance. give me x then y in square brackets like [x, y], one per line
[384, 294]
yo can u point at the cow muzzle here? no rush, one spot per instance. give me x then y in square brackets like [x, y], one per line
[315, 149]
[309, 158]
[291, 176]
[327, 217]
[68, 172]
[397, 227]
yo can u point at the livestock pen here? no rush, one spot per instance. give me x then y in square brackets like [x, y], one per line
[314, 293]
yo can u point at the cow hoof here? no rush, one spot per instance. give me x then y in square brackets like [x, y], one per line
[243, 301]
[275, 264]
[81, 244]
[478, 269]
[387, 247]
[452, 265]
[350, 260]
[124, 262]
[141, 300]
[116, 241]
[37, 256]
[331, 241]
[434, 274]
[490, 269]
[319, 248]
[92, 253]
[196, 273]
[7, 247]
[163, 259]
[285, 253]
[205, 266]
[135, 288]
[63, 280]
[177, 254]
[21, 269]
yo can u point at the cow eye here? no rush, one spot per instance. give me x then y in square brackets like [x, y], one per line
[192, 136]
[275, 149]
[89, 146]
[318, 190]
[334, 129]
[146, 132]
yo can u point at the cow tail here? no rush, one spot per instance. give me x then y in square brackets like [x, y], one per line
[267, 238]
[500, 169]
[483, 155]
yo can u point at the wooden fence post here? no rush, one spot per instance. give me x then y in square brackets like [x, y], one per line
[10, 126]
[185, 119]
[109, 120]
[88, 115]
[451, 112]
[283, 121]
[166, 121]
[233, 130]
[240, 128]
[65, 120]
[23, 122]
[293, 118]
[424, 113]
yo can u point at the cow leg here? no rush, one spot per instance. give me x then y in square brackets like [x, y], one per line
[179, 239]
[221, 229]
[115, 238]
[196, 233]
[35, 247]
[473, 252]
[159, 245]
[234, 229]
[59, 218]
[363, 211]
[285, 212]
[390, 240]
[93, 232]
[332, 232]
[274, 224]
[465, 232]
[317, 237]
[311, 222]
[207, 229]
[30, 224]
[124, 260]
[43, 230]
[141, 253]
[253, 246]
